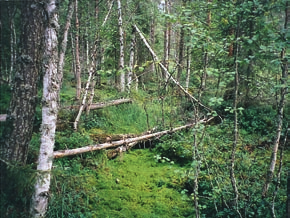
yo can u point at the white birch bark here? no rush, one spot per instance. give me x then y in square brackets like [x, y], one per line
[131, 61]
[51, 85]
[121, 61]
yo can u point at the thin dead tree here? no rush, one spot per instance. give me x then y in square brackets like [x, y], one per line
[156, 60]
[236, 134]
[283, 93]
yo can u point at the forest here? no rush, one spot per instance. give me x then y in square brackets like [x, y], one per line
[153, 108]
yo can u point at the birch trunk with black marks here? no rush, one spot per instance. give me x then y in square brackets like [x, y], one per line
[21, 112]
[283, 93]
[166, 41]
[131, 60]
[51, 87]
[121, 39]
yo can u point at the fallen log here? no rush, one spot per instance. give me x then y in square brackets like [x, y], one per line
[64, 153]
[101, 104]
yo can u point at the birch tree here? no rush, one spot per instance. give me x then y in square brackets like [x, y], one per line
[121, 60]
[20, 116]
[51, 86]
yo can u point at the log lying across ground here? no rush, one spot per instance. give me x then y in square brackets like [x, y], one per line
[64, 153]
[102, 104]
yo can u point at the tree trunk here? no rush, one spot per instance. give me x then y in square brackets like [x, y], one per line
[12, 43]
[236, 134]
[64, 41]
[77, 53]
[188, 62]
[20, 117]
[131, 61]
[121, 60]
[51, 87]
[91, 74]
[284, 91]
[180, 56]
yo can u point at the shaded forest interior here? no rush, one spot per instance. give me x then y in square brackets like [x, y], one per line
[154, 108]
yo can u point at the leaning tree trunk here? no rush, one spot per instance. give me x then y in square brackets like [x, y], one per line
[284, 91]
[51, 87]
[121, 60]
[21, 113]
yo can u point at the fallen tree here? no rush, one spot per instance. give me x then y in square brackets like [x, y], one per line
[102, 104]
[64, 153]
[93, 106]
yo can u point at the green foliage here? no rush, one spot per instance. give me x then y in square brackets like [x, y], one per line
[70, 140]
[17, 185]
[260, 120]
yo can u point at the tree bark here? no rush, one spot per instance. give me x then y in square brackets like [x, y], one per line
[121, 39]
[131, 61]
[51, 87]
[20, 117]
[64, 153]
[77, 53]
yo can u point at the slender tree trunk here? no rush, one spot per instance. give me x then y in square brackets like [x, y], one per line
[64, 41]
[205, 57]
[12, 43]
[236, 134]
[51, 87]
[284, 91]
[152, 39]
[73, 57]
[20, 116]
[188, 62]
[77, 53]
[121, 60]
[180, 56]
[131, 61]
[109, 12]
[166, 40]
